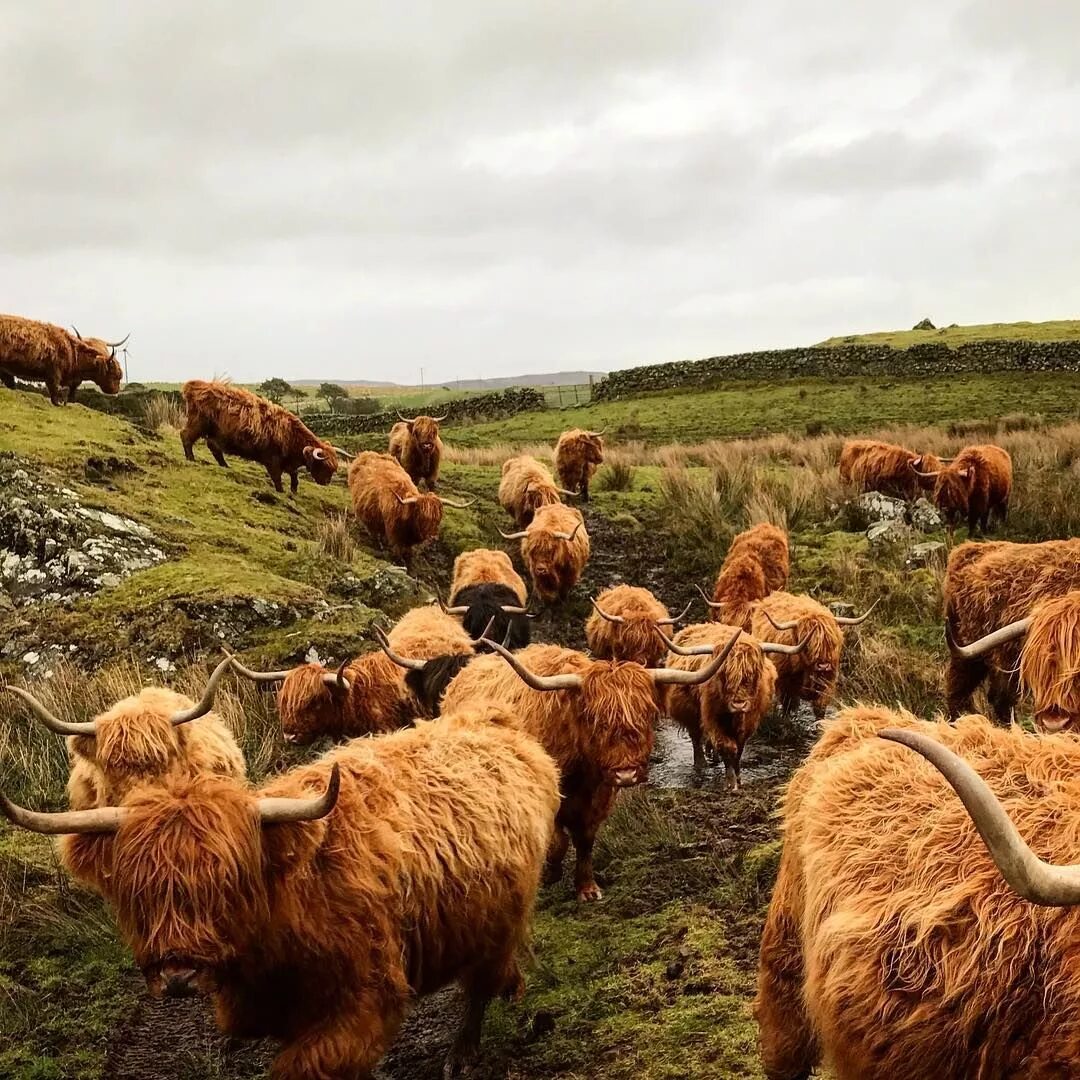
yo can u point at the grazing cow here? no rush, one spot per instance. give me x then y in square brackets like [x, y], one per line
[364, 696]
[892, 946]
[724, 712]
[810, 674]
[418, 448]
[869, 465]
[40, 352]
[1049, 660]
[316, 909]
[555, 548]
[987, 586]
[757, 563]
[235, 421]
[578, 454]
[623, 625]
[390, 505]
[595, 718]
[526, 485]
[975, 485]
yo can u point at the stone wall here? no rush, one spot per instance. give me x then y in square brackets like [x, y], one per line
[482, 407]
[843, 361]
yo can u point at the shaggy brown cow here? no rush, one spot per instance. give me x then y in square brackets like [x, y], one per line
[595, 718]
[811, 673]
[987, 586]
[623, 625]
[578, 454]
[724, 712]
[757, 563]
[235, 421]
[1049, 660]
[318, 908]
[364, 696]
[870, 465]
[892, 946]
[975, 485]
[526, 485]
[40, 352]
[390, 505]
[418, 448]
[486, 566]
[555, 548]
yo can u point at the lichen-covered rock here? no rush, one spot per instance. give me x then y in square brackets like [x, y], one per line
[925, 516]
[891, 531]
[54, 549]
[878, 507]
[924, 554]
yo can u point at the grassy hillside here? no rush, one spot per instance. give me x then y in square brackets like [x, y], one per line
[1056, 330]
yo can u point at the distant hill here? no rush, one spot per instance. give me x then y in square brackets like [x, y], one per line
[1059, 330]
[554, 378]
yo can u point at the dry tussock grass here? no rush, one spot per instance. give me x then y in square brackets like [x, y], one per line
[160, 412]
[334, 539]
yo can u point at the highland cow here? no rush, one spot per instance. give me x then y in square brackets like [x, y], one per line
[987, 586]
[893, 947]
[757, 563]
[596, 719]
[391, 507]
[489, 596]
[578, 454]
[810, 674]
[555, 548]
[723, 713]
[976, 485]
[526, 485]
[317, 909]
[418, 449]
[235, 421]
[869, 465]
[367, 695]
[42, 353]
[486, 566]
[623, 625]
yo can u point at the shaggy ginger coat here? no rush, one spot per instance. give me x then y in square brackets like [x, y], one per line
[869, 465]
[975, 486]
[757, 563]
[633, 639]
[418, 448]
[526, 485]
[320, 934]
[893, 947]
[578, 454]
[377, 484]
[555, 564]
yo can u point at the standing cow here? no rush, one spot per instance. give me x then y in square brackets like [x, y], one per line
[417, 446]
[525, 486]
[870, 465]
[555, 548]
[40, 352]
[757, 563]
[235, 421]
[578, 454]
[976, 485]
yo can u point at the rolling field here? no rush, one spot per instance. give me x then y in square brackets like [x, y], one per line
[654, 983]
[1054, 330]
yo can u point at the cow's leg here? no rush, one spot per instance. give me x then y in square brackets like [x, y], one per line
[500, 977]
[294, 482]
[274, 471]
[1003, 692]
[54, 389]
[7, 379]
[593, 809]
[73, 389]
[190, 434]
[788, 1049]
[215, 449]
[553, 867]
[962, 679]
[730, 753]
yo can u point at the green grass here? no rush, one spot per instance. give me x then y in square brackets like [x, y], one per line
[842, 405]
[1056, 330]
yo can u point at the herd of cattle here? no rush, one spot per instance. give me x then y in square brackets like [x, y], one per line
[316, 908]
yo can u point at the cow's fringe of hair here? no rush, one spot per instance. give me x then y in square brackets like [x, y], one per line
[525, 486]
[483, 566]
[555, 564]
[1050, 659]
[633, 639]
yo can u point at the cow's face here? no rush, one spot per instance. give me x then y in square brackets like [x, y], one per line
[310, 705]
[594, 450]
[619, 703]
[952, 494]
[321, 462]
[426, 433]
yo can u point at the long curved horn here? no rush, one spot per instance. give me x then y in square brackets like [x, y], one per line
[617, 619]
[671, 676]
[343, 454]
[120, 343]
[537, 682]
[456, 505]
[336, 680]
[406, 662]
[790, 625]
[440, 419]
[278, 811]
[925, 475]
[104, 819]
[404, 419]
[511, 609]
[515, 535]
[784, 650]
[568, 537]
[462, 609]
[1002, 636]
[596, 434]
[856, 620]
[259, 676]
[1027, 874]
[407, 502]
[568, 494]
[705, 596]
[76, 331]
[53, 723]
[673, 619]
[206, 702]
[682, 650]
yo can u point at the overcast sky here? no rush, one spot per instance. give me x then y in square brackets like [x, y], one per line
[362, 190]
